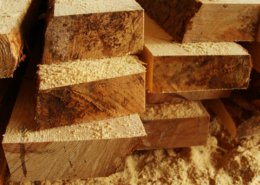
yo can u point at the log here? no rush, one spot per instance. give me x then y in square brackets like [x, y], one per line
[92, 29]
[81, 91]
[196, 95]
[17, 18]
[191, 21]
[174, 67]
[87, 150]
[173, 125]
[253, 49]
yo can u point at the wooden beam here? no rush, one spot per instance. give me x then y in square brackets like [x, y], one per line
[254, 50]
[107, 88]
[17, 17]
[174, 68]
[93, 149]
[193, 95]
[205, 20]
[176, 124]
[110, 29]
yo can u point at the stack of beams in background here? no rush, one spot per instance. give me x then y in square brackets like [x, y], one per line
[191, 54]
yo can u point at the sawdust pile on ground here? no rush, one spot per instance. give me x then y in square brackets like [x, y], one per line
[221, 161]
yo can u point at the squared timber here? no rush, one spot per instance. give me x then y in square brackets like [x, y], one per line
[177, 131]
[92, 149]
[75, 31]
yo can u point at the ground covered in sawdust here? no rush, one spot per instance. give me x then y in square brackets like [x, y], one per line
[223, 161]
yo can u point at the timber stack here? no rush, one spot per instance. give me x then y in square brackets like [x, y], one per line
[84, 119]
[191, 55]
[116, 76]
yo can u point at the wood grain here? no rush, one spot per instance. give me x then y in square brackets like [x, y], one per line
[18, 21]
[71, 152]
[191, 73]
[176, 132]
[103, 34]
[175, 68]
[204, 21]
[196, 95]
[90, 101]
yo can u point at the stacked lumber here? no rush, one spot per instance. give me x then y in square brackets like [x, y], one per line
[184, 68]
[16, 19]
[191, 55]
[90, 149]
[84, 119]
[90, 102]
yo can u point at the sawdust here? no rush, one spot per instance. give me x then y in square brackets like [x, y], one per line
[83, 71]
[173, 110]
[222, 161]
[72, 7]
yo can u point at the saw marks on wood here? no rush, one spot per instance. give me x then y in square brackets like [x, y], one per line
[78, 92]
[206, 20]
[110, 29]
[173, 67]
[93, 149]
[175, 124]
[16, 19]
